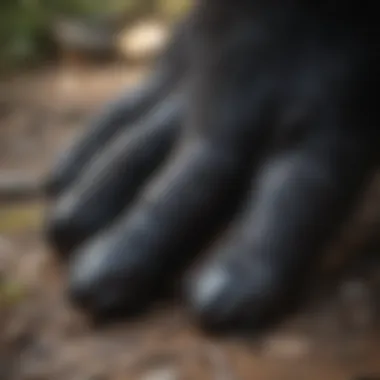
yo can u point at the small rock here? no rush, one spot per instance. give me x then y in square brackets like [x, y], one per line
[143, 41]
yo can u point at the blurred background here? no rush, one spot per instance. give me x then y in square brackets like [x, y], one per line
[59, 61]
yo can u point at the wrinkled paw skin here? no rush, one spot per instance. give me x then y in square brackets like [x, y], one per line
[273, 97]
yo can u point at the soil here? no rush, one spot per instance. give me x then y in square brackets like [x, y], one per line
[43, 338]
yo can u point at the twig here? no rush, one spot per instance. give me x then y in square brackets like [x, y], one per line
[19, 185]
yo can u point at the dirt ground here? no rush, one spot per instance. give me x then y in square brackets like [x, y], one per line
[42, 338]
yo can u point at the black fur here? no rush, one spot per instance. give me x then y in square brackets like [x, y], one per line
[276, 95]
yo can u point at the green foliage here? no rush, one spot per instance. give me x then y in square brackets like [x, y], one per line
[84, 7]
[24, 24]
